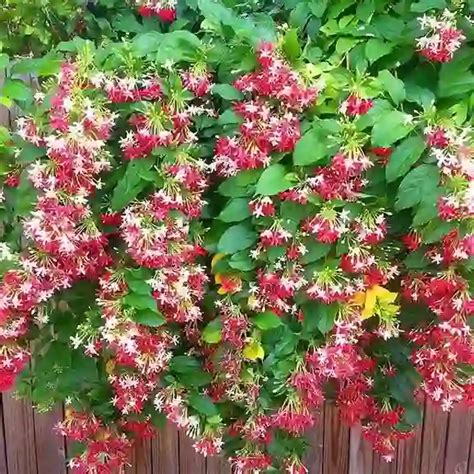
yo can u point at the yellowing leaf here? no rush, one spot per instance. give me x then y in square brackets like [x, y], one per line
[376, 295]
[253, 351]
[216, 258]
[110, 366]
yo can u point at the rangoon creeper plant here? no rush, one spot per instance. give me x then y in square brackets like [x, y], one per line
[226, 230]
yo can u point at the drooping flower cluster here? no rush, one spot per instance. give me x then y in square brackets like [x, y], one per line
[442, 38]
[270, 116]
[165, 10]
[66, 243]
[454, 157]
[306, 266]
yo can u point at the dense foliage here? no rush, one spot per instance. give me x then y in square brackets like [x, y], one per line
[237, 212]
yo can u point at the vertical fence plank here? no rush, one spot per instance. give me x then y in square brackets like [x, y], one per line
[434, 440]
[143, 457]
[217, 465]
[3, 446]
[360, 452]
[336, 443]
[165, 451]
[19, 436]
[380, 466]
[189, 461]
[409, 454]
[314, 458]
[50, 450]
[458, 441]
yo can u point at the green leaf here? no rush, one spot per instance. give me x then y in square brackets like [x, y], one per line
[203, 404]
[425, 5]
[291, 46]
[436, 230]
[226, 91]
[140, 301]
[394, 86]
[236, 238]
[317, 143]
[319, 316]
[212, 332]
[390, 127]
[273, 180]
[267, 320]
[404, 157]
[148, 317]
[242, 261]
[16, 90]
[184, 364]
[131, 184]
[420, 183]
[427, 210]
[377, 48]
[4, 59]
[456, 77]
[236, 210]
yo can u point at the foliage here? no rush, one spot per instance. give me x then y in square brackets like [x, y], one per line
[228, 219]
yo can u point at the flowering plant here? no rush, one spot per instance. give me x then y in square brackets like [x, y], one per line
[227, 228]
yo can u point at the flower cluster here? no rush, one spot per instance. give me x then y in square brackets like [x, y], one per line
[66, 243]
[442, 39]
[165, 10]
[266, 127]
[316, 272]
[454, 157]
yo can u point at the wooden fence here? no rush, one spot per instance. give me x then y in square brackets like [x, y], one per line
[444, 444]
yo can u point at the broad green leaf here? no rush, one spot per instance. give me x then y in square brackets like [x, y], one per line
[242, 261]
[394, 86]
[203, 404]
[141, 301]
[236, 238]
[212, 332]
[319, 316]
[377, 48]
[390, 127]
[456, 78]
[436, 230]
[420, 183]
[4, 59]
[291, 46]
[16, 90]
[427, 209]
[148, 317]
[226, 91]
[404, 157]
[236, 210]
[184, 364]
[317, 143]
[273, 180]
[425, 5]
[131, 184]
[267, 320]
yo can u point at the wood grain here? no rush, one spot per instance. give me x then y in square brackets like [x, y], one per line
[458, 441]
[19, 436]
[217, 465]
[165, 451]
[189, 461]
[434, 440]
[336, 443]
[50, 448]
[3, 457]
[360, 452]
[314, 457]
